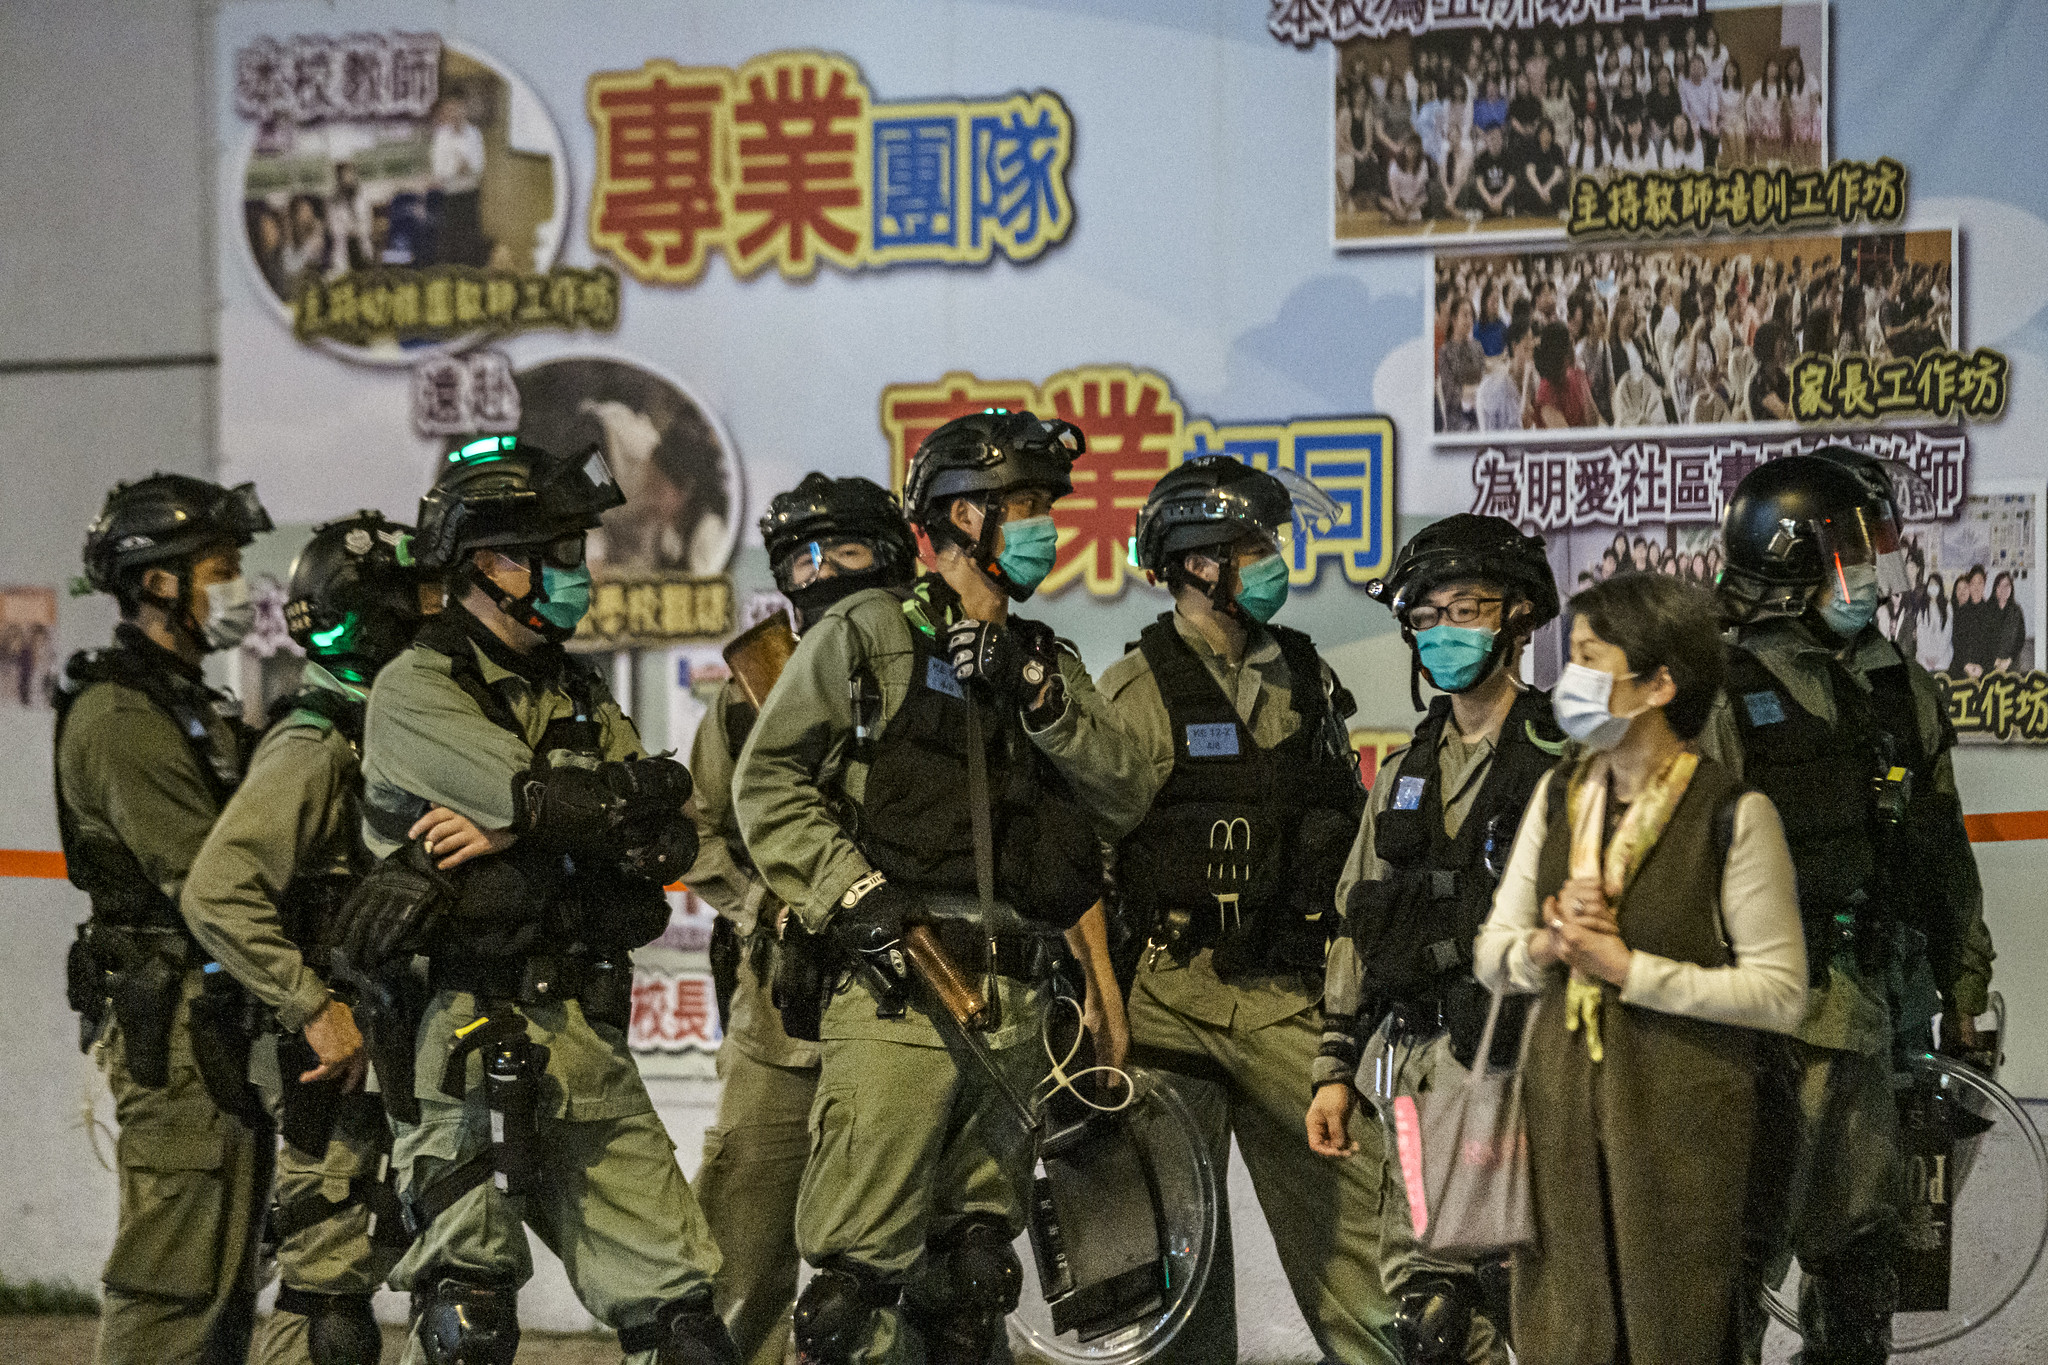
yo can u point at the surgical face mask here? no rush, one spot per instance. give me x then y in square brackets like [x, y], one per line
[1262, 587]
[568, 597]
[230, 614]
[1029, 547]
[1847, 618]
[1456, 656]
[1579, 701]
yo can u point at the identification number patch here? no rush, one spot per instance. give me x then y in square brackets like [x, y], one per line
[1764, 708]
[1408, 793]
[1218, 739]
[938, 676]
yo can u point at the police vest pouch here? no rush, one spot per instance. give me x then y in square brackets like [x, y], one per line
[394, 909]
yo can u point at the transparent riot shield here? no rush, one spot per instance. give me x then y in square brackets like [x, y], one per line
[1122, 1231]
[1977, 1210]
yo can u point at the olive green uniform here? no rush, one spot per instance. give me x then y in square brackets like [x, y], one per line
[1462, 767]
[612, 1202]
[1255, 1038]
[906, 1138]
[754, 1155]
[1846, 1177]
[295, 815]
[181, 1280]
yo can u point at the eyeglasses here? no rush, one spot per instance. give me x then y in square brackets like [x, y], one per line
[1462, 612]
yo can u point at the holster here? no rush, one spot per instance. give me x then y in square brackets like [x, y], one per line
[804, 968]
[306, 1110]
[389, 1007]
[725, 953]
[85, 988]
[146, 973]
[223, 1033]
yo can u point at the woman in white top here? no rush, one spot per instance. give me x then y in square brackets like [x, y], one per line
[1734, 118]
[1649, 902]
[1632, 151]
[1682, 151]
[1803, 115]
[1589, 154]
[1766, 109]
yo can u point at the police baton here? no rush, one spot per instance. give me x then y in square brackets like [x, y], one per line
[962, 1004]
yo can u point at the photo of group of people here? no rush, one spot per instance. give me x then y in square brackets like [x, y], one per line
[478, 182]
[1973, 604]
[1702, 334]
[28, 649]
[1458, 131]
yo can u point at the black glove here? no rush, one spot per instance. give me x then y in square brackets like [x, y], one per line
[650, 785]
[393, 910]
[659, 852]
[872, 915]
[1014, 659]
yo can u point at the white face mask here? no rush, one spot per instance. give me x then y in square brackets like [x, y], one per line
[230, 614]
[1579, 702]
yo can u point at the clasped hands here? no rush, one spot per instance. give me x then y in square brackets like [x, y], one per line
[1579, 930]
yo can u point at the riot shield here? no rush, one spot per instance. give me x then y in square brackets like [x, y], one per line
[1121, 1232]
[1977, 1211]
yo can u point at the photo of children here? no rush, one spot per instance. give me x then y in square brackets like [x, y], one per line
[1462, 132]
[1701, 334]
[479, 180]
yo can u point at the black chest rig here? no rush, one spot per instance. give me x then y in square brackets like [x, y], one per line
[311, 902]
[123, 895]
[915, 822]
[1415, 929]
[1242, 847]
[1857, 800]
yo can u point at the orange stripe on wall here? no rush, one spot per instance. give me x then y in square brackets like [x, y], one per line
[31, 862]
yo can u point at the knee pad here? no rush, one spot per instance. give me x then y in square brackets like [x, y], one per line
[686, 1332]
[978, 1277]
[461, 1323]
[835, 1311]
[340, 1328]
[1434, 1320]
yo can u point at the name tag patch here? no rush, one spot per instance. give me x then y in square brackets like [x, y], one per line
[1764, 707]
[1408, 793]
[1218, 739]
[938, 676]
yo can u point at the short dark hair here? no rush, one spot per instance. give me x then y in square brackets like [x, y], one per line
[1518, 328]
[1662, 622]
[1553, 351]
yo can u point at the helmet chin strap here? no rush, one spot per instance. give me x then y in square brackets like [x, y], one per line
[177, 608]
[521, 608]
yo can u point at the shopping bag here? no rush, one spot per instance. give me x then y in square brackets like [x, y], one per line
[1464, 1153]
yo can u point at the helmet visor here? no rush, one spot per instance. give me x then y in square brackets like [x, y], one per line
[1854, 540]
[826, 558]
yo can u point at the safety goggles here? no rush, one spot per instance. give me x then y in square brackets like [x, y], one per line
[826, 559]
[564, 552]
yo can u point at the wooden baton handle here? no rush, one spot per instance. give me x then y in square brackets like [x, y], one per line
[961, 997]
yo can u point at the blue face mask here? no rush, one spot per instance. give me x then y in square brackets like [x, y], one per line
[1262, 587]
[1455, 656]
[1849, 618]
[1029, 548]
[568, 596]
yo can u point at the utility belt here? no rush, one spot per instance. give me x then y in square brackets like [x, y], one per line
[1858, 931]
[1268, 940]
[1457, 1004]
[136, 976]
[1027, 958]
[602, 984]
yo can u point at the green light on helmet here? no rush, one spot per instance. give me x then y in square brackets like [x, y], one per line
[483, 450]
[336, 637]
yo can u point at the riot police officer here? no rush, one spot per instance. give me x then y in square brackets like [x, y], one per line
[1851, 742]
[528, 839]
[147, 754]
[827, 539]
[1468, 592]
[895, 777]
[1232, 815]
[262, 897]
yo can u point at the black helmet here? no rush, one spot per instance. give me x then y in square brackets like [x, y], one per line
[1791, 520]
[992, 451]
[498, 490]
[1210, 500]
[353, 603]
[820, 508]
[164, 519]
[1467, 546]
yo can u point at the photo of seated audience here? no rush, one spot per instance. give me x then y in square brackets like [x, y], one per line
[1697, 334]
[1503, 114]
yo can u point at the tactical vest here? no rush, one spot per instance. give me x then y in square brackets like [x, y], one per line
[123, 895]
[915, 822]
[1242, 846]
[1843, 792]
[311, 902]
[1415, 929]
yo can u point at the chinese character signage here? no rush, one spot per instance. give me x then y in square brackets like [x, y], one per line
[1301, 22]
[1652, 204]
[1975, 612]
[790, 161]
[1137, 431]
[401, 192]
[1936, 383]
[674, 1012]
[1679, 480]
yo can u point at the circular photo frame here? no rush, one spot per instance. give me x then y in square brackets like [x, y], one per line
[479, 182]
